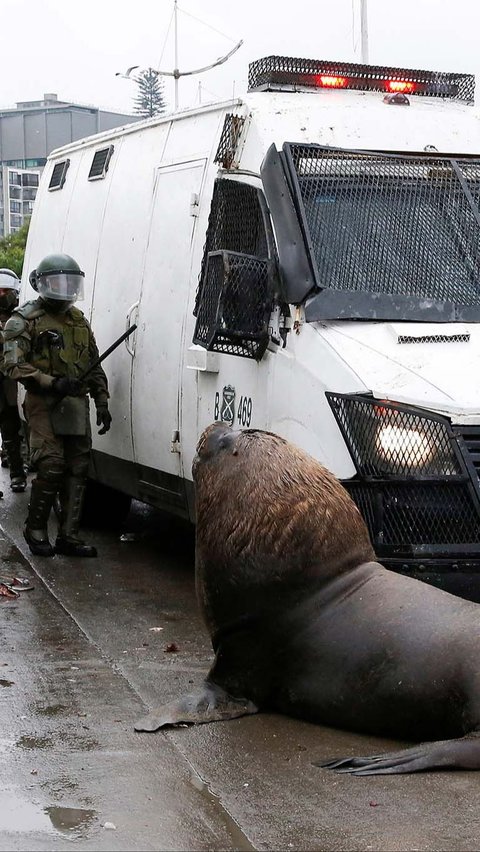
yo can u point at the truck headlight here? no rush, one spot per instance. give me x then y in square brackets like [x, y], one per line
[397, 441]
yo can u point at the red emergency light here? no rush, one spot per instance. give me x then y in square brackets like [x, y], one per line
[329, 81]
[287, 73]
[404, 86]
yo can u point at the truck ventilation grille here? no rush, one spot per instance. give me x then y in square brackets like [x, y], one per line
[227, 147]
[100, 162]
[287, 70]
[58, 175]
[235, 306]
[434, 338]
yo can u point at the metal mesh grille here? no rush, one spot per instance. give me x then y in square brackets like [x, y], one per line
[387, 441]
[422, 516]
[401, 225]
[434, 338]
[288, 70]
[227, 147]
[235, 224]
[236, 305]
[470, 442]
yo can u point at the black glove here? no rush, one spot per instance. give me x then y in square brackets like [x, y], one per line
[104, 418]
[63, 386]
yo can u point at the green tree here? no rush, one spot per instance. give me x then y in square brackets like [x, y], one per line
[150, 99]
[12, 249]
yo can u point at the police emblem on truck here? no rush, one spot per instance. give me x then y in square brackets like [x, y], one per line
[227, 411]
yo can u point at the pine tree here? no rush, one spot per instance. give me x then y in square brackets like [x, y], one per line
[150, 99]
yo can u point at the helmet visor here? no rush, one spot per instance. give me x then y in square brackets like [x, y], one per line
[9, 282]
[64, 286]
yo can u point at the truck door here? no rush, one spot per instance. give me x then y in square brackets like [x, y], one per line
[159, 346]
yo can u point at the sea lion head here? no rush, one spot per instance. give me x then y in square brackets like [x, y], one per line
[265, 507]
[215, 439]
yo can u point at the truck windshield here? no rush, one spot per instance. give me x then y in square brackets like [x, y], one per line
[407, 227]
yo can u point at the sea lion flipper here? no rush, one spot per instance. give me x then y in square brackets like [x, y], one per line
[463, 753]
[210, 703]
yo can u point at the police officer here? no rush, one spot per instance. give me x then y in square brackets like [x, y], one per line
[10, 423]
[48, 344]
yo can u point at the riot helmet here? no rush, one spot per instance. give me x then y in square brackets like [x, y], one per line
[58, 280]
[9, 289]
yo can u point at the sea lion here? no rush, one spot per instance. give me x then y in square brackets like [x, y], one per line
[305, 622]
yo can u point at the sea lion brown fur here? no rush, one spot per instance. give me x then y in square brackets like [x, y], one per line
[305, 622]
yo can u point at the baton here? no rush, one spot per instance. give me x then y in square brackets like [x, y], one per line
[107, 352]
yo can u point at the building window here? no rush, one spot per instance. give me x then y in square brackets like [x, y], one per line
[30, 180]
[15, 192]
[28, 195]
[15, 207]
[14, 179]
[27, 208]
[100, 162]
[16, 222]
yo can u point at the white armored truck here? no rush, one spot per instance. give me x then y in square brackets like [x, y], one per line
[304, 260]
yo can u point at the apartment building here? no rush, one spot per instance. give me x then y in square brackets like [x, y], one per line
[28, 133]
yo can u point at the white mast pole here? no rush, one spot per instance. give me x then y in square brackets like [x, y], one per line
[364, 31]
[175, 70]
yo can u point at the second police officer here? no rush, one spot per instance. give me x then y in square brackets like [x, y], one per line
[48, 345]
[10, 423]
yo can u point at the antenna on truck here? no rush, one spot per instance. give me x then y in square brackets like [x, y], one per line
[176, 73]
[364, 31]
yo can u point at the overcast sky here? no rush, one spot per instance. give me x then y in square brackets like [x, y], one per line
[74, 47]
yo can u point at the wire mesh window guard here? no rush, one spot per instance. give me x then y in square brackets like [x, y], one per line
[391, 224]
[235, 224]
[236, 305]
[227, 147]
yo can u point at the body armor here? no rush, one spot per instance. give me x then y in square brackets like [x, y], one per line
[48, 343]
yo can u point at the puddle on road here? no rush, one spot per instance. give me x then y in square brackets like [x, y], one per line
[239, 840]
[34, 742]
[18, 816]
[72, 821]
[50, 710]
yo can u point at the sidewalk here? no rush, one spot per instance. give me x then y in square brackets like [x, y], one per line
[71, 766]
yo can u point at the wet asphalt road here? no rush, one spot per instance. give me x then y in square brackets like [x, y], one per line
[85, 653]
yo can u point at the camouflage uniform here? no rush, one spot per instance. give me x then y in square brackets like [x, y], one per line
[39, 347]
[10, 423]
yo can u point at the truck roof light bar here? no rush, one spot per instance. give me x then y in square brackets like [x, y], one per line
[277, 72]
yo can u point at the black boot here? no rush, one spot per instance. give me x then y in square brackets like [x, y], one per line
[71, 501]
[36, 527]
[18, 480]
